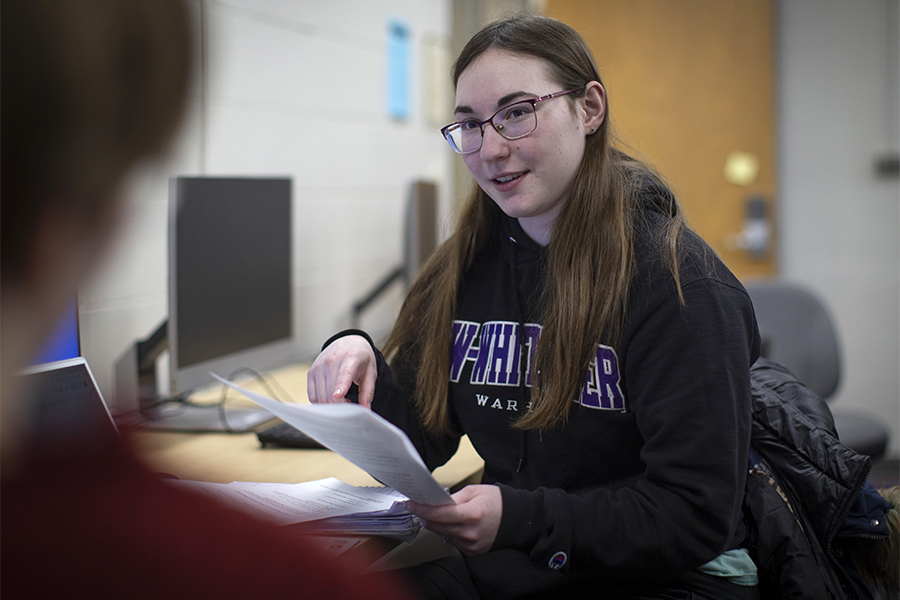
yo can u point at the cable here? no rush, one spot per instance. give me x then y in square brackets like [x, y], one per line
[185, 401]
[262, 380]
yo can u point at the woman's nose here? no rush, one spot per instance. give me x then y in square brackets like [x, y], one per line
[493, 145]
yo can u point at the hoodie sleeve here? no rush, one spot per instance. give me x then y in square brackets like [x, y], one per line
[394, 389]
[687, 381]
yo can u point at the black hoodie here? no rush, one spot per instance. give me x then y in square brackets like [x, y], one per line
[645, 480]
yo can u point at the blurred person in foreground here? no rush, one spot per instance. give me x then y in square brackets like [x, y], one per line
[90, 89]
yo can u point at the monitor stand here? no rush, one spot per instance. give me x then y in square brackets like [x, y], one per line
[193, 418]
[138, 404]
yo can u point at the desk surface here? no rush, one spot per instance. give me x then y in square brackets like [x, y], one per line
[227, 457]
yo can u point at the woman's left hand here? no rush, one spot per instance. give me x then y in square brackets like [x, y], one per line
[471, 524]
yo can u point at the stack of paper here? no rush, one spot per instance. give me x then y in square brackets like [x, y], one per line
[365, 439]
[315, 501]
[395, 522]
[331, 506]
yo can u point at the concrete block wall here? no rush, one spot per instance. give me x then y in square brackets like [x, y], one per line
[293, 88]
[839, 111]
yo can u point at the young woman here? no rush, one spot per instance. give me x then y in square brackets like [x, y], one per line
[594, 349]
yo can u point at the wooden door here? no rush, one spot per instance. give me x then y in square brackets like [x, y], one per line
[690, 86]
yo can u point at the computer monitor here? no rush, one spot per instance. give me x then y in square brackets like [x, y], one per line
[420, 240]
[230, 300]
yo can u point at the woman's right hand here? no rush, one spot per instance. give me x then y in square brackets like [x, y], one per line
[346, 360]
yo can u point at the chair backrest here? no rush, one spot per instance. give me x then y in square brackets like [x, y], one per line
[797, 332]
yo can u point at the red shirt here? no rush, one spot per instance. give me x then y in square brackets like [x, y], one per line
[95, 523]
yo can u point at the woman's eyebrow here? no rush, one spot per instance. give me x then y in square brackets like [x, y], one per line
[500, 103]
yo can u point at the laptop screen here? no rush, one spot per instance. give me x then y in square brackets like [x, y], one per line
[67, 405]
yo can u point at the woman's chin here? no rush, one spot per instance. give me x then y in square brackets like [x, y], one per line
[512, 208]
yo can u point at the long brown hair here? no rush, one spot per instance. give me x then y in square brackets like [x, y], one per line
[591, 250]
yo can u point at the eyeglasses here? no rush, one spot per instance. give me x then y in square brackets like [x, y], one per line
[512, 122]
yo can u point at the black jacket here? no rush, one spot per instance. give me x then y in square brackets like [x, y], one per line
[803, 490]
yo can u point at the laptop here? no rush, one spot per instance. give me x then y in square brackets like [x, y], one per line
[67, 405]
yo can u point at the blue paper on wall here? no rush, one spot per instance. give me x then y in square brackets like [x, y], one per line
[398, 70]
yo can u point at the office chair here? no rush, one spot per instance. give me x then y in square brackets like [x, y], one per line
[798, 332]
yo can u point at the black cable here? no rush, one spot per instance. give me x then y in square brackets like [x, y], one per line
[185, 401]
[221, 404]
[179, 399]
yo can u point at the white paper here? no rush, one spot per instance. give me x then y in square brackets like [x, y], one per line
[365, 439]
[290, 503]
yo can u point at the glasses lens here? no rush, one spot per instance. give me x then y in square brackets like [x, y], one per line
[451, 134]
[516, 120]
[464, 137]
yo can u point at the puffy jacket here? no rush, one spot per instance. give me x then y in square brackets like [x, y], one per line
[803, 487]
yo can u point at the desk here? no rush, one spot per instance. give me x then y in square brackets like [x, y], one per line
[227, 457]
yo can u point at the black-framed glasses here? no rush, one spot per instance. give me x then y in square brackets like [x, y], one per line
[513, 121]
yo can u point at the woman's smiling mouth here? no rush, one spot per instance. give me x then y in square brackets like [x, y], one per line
[504, 182]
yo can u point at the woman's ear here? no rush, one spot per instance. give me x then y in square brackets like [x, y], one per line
[594, 106]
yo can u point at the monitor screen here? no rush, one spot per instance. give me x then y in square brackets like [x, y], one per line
[229, 277]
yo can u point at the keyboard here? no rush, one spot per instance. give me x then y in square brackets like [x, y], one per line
[285, 435]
